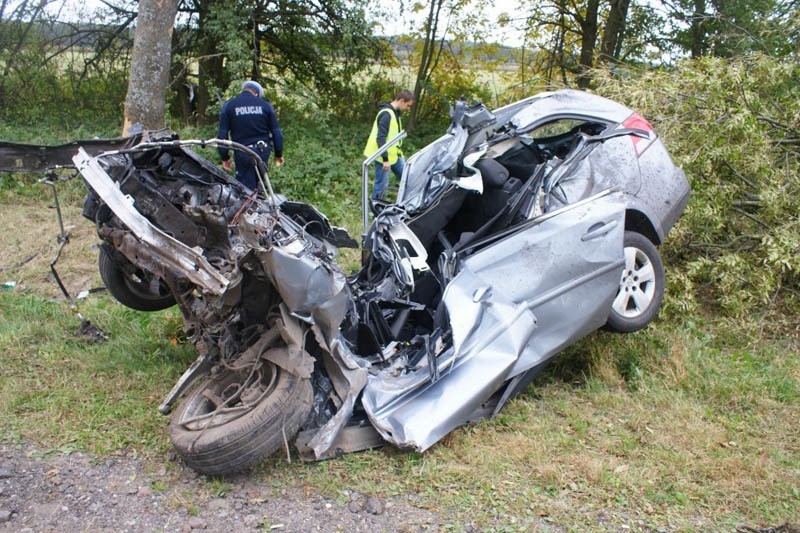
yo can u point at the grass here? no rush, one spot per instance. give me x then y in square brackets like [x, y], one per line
[703, 435]
[61, 131]
[691, 424]
[677, 450]
[59, 389]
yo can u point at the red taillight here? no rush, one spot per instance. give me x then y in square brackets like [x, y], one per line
[638, 122]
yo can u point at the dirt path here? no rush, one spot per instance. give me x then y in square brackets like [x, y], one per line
[77, 492]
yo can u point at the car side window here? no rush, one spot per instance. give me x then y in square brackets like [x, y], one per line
[556, 136]
[558, 127]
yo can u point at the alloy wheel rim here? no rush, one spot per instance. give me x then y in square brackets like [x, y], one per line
[637, 286]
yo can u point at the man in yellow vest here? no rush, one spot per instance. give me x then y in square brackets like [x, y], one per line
[386, 126]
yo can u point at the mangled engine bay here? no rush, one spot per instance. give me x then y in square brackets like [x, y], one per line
[413, 345]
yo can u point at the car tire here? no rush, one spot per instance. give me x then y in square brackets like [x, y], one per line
[227, 442]
[134, 291]
[641, 288]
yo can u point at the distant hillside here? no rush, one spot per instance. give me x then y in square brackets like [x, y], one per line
[403, 45]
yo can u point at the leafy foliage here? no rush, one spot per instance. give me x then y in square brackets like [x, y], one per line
[44, 93]
[564, 37]
[727, 28]
[56, 72]
[451, 82]
[444, 47]
[311, 50]
[732, 125]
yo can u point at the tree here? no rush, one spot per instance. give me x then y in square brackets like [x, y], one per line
[150, 64]
[447, 45]
[18, 21]
[588, 28]
[567, 31]
[730, 28]
[310, 47]
[318, 46]
[567, 40]
[431, 50]
[611, 45]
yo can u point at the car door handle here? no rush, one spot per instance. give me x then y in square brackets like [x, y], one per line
[598, 230]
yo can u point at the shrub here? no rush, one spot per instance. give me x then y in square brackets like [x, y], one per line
[732, 125]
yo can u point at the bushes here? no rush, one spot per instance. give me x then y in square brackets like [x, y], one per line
[322, 167]
[48, 96]
[733, 127]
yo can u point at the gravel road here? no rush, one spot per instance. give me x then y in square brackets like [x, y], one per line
[78, 492]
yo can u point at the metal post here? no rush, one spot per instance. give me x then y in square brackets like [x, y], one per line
[365, 176]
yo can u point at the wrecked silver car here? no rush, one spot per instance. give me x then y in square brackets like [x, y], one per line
[513, 235]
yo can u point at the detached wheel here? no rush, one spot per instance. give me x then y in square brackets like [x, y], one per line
[235, 419]
[132, 286]
[641, 286]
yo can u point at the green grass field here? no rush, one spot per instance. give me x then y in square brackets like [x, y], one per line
[689, 425]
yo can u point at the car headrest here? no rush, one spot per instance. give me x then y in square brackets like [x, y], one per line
[494, 174]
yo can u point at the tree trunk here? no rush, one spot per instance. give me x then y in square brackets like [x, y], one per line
[698, 28]
[211, 75]
[181, 105]
[255, 71]
[611, 45]
[150, 62]
[556, 55]
[588, 42]
[424, 71]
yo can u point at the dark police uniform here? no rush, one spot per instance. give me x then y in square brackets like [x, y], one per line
[250, 121]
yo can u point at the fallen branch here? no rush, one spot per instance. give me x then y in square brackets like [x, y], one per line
[747, 181]
[752, 217]
[774, 122]
[21, 263]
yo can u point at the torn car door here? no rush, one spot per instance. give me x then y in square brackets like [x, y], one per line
[564, 268]
[514, 303]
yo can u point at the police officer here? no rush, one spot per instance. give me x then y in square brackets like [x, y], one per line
[386, 126]
[250, 120]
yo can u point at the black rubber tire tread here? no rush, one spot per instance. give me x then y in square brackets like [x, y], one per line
[622, 324]
[244, 441]
[114, 280]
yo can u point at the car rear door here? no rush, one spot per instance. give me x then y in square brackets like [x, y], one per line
[563, 268]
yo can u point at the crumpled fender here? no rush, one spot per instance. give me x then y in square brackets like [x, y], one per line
[413, 411]
[317, 293]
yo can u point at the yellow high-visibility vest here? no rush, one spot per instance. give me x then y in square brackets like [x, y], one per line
[395, 127]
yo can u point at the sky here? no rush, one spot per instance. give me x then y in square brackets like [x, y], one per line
[408, 21]
[399, 22]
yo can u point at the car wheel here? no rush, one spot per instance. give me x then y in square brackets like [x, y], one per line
[641, 286]
[237, 417]
[133, 287]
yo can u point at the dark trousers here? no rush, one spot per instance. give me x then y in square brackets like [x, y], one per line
[245, 168]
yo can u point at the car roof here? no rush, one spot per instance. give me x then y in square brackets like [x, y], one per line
[566, 102]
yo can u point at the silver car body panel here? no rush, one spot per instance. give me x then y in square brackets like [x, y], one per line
[567, 102]
[610, 164]
[664, 191]
[511, 306]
